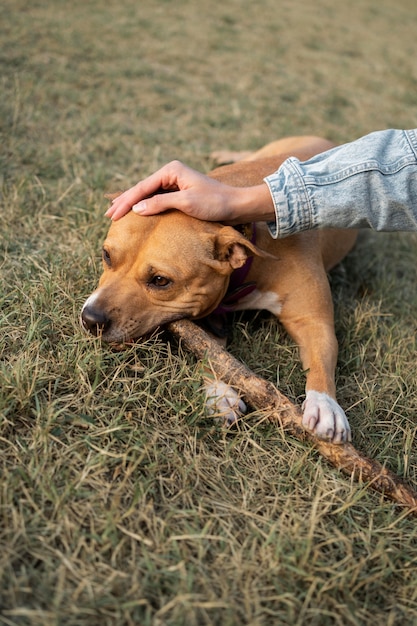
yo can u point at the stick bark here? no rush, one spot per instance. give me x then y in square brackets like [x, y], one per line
[264, 396]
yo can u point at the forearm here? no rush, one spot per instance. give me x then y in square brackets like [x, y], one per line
[371, 182]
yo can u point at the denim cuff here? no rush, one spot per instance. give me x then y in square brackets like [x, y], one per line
[293, 209]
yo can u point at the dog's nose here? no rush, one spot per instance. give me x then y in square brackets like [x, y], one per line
[95, 321]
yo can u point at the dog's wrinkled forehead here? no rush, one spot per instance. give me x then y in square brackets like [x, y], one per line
[169, 232]
[131, 229]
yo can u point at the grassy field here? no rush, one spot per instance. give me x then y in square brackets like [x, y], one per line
[120, 502]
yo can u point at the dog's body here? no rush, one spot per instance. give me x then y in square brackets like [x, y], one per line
[161, 268]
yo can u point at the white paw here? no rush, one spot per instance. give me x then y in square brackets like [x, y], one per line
[325, 418]
[223, 402]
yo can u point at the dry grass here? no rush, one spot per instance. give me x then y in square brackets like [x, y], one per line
[120, 502]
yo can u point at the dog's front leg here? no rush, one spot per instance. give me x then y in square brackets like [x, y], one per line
[309, 321]
[321, 412]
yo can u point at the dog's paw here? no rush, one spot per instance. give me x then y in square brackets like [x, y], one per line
[223, 402]
[325, 418]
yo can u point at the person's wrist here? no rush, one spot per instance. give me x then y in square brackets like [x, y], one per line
[253, 204]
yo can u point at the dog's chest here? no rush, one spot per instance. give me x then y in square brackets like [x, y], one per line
[266, 300]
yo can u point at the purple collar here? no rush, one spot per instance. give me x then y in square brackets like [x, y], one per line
[238, 289]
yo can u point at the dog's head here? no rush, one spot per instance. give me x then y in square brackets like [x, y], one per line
[159, 269]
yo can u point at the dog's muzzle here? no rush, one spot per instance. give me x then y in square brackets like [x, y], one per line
[95, 321]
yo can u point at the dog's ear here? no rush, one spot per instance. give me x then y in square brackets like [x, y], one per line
[232, 248]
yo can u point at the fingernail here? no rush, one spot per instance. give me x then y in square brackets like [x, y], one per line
[140, 207]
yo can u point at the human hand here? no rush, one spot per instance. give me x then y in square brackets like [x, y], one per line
[195, 194]
[189, 191]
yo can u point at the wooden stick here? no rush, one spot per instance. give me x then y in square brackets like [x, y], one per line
[263, 395]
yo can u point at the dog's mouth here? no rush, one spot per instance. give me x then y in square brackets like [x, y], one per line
[122, 339]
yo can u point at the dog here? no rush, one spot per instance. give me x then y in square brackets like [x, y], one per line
[162, 268]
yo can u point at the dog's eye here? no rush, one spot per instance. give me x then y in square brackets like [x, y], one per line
[106, 257]
[160, 281]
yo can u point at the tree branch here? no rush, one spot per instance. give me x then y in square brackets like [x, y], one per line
[264, 396]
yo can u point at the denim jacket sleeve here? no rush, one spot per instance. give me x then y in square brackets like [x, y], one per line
[369, 183]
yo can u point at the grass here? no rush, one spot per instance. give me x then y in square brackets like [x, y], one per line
[121, 503]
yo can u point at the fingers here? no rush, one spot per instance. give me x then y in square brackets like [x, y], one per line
[158, 203]
[167, 178]
[123, 203]
[190, 191]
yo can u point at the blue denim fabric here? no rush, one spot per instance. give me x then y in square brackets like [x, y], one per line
[369, 183]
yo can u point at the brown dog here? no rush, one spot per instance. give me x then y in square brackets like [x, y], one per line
[172, 266]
